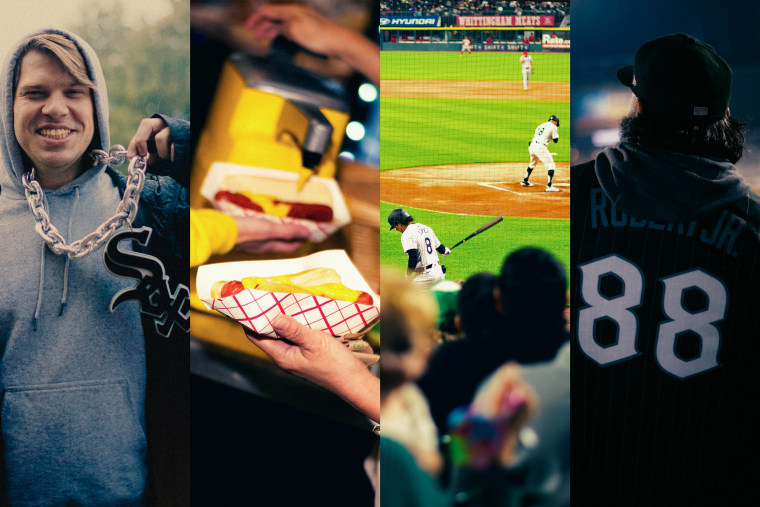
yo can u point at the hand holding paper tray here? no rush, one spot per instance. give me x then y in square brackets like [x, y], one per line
[256, 309]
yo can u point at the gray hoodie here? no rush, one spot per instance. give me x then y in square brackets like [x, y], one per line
[72, 373]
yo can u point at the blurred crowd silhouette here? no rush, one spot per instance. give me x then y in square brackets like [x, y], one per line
[475, 382]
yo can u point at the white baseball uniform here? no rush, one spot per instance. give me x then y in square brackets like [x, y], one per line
[466, 45]
[545, 133]
[422, 238]
[526, 61]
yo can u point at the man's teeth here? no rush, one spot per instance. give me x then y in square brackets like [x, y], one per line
[55, 133]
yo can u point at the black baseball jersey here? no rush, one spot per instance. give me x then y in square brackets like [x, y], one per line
[666, 331]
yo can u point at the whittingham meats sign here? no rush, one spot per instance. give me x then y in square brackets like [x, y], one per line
[477, 21]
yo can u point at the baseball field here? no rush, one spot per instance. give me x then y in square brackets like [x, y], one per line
[454, 146]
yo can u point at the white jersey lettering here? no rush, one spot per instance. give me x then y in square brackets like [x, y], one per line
[422, 238]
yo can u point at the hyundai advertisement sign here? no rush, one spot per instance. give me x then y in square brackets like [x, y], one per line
[410, 21]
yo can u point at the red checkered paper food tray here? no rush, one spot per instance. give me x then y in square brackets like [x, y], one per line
[227, 176]
[256, 309]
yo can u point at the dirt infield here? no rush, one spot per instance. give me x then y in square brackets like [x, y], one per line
[479, 189]
[494, 90]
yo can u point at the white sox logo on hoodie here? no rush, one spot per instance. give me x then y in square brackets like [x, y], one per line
[152, 291]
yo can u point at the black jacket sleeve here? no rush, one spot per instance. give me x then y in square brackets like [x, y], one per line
[179, 170]
[414, 259]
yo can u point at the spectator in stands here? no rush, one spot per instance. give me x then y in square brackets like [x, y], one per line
[539, 475]
[522, 318]
[546, 468]
[408, 332]
[408, 316]
[457, 367]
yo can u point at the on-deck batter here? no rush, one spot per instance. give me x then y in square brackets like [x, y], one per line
[538, 149]
[422, 246]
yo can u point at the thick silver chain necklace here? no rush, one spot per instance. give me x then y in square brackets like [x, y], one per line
[125, 212]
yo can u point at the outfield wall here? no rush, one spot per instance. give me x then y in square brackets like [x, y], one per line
[456, 46]
[510, 39]
[479, 48]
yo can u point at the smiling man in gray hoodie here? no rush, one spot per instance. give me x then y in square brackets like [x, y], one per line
[665, 250]
[82, 334]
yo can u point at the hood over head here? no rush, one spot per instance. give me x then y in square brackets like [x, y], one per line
[12, 161]
[665, 186]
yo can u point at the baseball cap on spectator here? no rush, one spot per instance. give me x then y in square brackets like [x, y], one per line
[680, 76]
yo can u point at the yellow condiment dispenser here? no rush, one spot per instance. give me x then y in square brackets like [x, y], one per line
[269, 113]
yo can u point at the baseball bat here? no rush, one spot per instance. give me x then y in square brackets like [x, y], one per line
[482, 229]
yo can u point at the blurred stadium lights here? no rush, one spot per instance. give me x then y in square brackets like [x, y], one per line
[610, 103]
[596, 117]
[362, 140]
[605, 137]
[368, 92]
[355, 131]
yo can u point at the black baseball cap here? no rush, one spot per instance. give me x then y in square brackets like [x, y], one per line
[398, 216]
[680, 76]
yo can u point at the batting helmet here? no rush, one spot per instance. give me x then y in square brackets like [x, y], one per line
[398, 216]
[554, 118]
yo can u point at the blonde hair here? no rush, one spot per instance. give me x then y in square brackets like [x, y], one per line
[60, 48]
[407, 327]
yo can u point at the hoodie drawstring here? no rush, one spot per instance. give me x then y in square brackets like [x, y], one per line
[39, 291]
[68, 259]
[67, 263]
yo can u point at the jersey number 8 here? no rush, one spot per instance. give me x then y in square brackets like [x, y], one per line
[619, 309]
[428, 245]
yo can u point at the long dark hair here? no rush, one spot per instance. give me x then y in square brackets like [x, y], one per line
[723, 139]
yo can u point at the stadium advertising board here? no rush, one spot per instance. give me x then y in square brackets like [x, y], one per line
[410, 21]
[554, 42]
[504, 21]
[501, 46]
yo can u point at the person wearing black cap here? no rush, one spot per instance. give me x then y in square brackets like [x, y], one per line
[665, 294]
[422, 248]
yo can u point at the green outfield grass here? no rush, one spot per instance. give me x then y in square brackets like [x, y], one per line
[484, 252]
[484, 66]
[432, 131]
[421, 132]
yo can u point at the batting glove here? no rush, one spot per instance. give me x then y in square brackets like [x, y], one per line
[447, 251]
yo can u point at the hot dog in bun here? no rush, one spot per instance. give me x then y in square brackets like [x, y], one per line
[324, 282]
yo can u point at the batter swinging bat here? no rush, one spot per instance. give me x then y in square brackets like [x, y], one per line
[482, 229]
